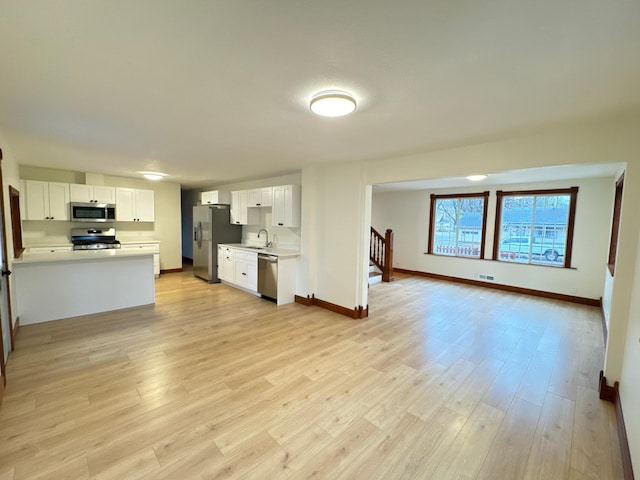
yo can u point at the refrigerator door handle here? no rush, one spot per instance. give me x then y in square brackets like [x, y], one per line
[198, 234]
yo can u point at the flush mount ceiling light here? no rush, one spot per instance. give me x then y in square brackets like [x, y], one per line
[476, 178]
[153, 175]
[332, 103]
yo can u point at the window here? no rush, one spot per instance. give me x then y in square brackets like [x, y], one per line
[615, 226]
[458, 225]
[535, 226]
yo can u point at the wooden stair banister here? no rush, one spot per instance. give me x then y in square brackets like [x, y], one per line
[381, 252]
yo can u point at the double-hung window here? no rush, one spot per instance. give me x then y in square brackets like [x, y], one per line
[535, 226]
[457, 225]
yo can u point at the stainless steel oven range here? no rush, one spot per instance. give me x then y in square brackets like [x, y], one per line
[94, 238]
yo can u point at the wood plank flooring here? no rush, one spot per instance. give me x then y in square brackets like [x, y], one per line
[441, 381]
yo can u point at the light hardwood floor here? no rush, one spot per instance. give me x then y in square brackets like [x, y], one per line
[442, 381]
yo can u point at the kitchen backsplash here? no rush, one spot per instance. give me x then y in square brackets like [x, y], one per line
[283, 237]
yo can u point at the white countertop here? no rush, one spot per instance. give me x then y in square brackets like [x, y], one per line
[67, 243]
[279, 252]
[81, 255]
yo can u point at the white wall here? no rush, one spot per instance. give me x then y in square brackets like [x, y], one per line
[407, 214]
[630, 379]
[334, 235]
[166, 227]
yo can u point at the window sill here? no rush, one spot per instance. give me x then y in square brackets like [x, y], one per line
[504, 261]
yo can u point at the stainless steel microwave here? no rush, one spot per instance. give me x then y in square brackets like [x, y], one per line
[93, 212]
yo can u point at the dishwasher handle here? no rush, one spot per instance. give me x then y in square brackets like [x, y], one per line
[268, 258]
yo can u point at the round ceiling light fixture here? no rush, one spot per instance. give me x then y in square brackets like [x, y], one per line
[332, 103]
[476, 178]
[153, 175]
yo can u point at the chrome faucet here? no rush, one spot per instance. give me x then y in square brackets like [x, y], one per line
[267, 243]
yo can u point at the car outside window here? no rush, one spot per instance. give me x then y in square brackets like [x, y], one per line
[535, 227]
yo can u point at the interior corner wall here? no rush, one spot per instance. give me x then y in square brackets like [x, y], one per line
[334, 236]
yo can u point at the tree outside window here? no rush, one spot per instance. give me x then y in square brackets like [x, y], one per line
[458, 225]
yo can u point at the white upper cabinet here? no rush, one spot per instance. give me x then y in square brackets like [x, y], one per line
[215, 197]
[46, 200]
[286, 206]
[261, 197]
[238, 211]
[240, 214]
[134, 205]
[92, 193]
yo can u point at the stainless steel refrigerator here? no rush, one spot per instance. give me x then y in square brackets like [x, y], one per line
[211, 226]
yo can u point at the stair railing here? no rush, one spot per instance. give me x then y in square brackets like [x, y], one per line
[381, 253]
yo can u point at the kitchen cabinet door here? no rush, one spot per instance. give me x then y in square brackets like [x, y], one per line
[252, 274]
[261, 197]
[92, 193]
[46, 200]
[37, 200]
[225, 264]
[103, 194]
[81, 193]
[145, 206]
[240, 276]
[59, 201]
[239, 207]
[133, 205]
[125, 205]
[286, 206]
[215, 197]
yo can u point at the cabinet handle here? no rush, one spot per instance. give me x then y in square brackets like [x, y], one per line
[244, 273]
[281, 224]
[257, 204]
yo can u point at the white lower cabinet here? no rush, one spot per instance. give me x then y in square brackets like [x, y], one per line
[152, 247]
[238, 267]
[225, 264]
[245, 270]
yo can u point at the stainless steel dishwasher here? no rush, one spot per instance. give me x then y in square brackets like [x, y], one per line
[268, 275]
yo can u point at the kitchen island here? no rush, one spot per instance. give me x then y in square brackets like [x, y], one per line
[52, 286]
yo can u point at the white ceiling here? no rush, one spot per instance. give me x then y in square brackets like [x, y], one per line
[213, 91]
[523, 175]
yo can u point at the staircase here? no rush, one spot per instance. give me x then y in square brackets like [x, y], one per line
[375, 275]
[380, 256]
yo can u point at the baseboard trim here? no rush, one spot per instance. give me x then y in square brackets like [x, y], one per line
[506, 288]
[357, 312]
[306, 301]
[612, 394]
[171, 270]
